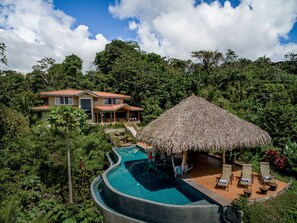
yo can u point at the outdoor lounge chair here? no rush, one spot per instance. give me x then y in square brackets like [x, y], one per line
[246, 178]
[226, 177]
[265, 175]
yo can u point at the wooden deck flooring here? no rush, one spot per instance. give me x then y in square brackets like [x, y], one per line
[207, 169]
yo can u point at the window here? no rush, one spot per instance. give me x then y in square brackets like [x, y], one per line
[95, 99]
[64, 101]
[111, 101]
[45, 101]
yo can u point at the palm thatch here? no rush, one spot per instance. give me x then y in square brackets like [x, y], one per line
[196, 124]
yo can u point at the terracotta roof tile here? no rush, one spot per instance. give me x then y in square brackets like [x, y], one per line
[47, 108]
[61, 92]
[134, 108]
[109, 107]
[111, 95]
[117, 107]
[41, 108]
[70, 92]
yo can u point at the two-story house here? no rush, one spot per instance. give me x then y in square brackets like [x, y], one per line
[101, 107]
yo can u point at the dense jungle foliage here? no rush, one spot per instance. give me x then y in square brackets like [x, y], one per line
[33, 163]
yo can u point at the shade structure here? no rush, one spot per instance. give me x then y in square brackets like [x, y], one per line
[196, 124]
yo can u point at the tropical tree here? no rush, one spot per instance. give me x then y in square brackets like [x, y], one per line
[8, 211]
[209, 59]
[105, 59]
[12, 83]
[230, 57]
[24, 101]
[41, 70]
[72, 64]
[72, 67]
[291, 62]
[67, 119]
[12, 125]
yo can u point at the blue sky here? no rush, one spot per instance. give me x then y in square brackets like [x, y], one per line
[34, 29]
[95, 14]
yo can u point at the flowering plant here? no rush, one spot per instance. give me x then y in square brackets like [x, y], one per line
[274, 157]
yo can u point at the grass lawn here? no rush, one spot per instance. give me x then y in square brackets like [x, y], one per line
[283, 208]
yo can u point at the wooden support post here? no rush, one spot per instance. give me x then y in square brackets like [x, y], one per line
[128, 116]
[138, 116]
[223, 157]
[101, 116]
[184, 162]
[114, 116]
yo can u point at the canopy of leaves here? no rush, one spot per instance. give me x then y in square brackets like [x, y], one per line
[32, 161]
[13, 125]
[67, 117]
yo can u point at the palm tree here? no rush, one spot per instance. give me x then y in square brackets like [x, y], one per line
[67, 119]
[8, 211]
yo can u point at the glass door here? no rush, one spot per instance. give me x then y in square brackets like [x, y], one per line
[86, 105]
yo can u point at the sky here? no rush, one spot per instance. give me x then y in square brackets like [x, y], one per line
[34, 29]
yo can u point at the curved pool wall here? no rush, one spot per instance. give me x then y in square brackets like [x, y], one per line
[110, 215]
[119, 207]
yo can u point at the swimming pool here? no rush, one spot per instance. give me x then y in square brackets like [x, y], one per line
[135, 190]
[137, 177]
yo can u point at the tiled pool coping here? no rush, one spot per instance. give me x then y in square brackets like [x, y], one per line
[217, 198]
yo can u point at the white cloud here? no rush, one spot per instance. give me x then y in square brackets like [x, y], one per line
[33, 29]
[175, 28]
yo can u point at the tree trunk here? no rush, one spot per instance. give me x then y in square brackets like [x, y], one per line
[69, 167]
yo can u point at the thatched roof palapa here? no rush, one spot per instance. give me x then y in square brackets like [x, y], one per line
[196, 124]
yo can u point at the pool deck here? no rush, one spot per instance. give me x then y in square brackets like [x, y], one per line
[207, 169]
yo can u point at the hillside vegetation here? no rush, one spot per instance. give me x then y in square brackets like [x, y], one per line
[33, 162]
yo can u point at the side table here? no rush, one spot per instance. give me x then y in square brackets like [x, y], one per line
[273, 186]
[247, 193]
[263, 190]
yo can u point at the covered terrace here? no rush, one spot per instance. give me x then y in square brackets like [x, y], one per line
[116, 113]
[197, 125]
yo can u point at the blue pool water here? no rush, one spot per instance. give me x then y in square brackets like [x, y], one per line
[139, 178]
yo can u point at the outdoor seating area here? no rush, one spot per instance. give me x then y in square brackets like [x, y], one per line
[211, 124]
[265, 173]
[226, 177]
[208, 171]
[247, 177]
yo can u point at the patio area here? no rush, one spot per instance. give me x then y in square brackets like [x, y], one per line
[207, 170]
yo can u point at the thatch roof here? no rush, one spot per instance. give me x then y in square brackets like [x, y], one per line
[196, 124]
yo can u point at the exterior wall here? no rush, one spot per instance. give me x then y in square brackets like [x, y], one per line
[98, 102]
[75, 100]
[52, 100]
[101, 101]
